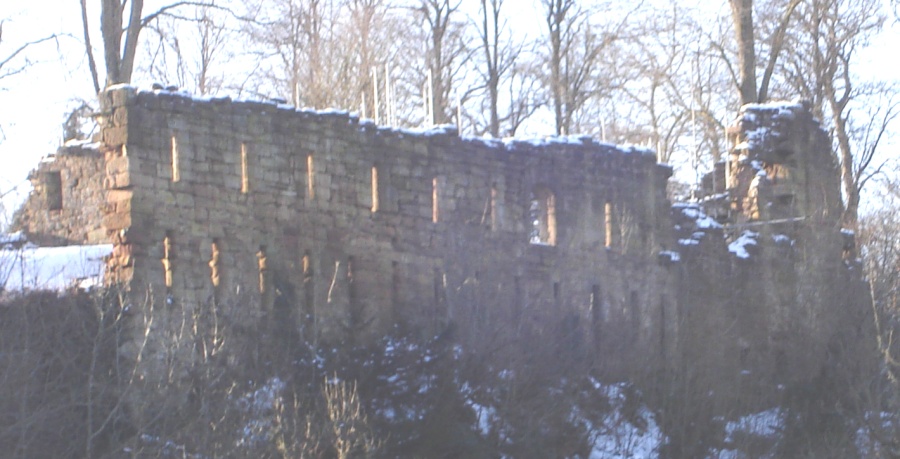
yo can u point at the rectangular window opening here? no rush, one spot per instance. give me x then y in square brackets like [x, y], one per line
[435, 210]
[168, 256]
[494, 194]
[292, 170]
[595, 304]
[635, 313]
[608, 225]
[53, 190]
[395, 283]
[310, 177]
[245, 170]
[176, 169]
[437, 286]
[374, 189]
[662, 325]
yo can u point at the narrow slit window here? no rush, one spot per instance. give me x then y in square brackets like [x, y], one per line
[292, 170]
[374, 189]
[245, 170]
[595, 305]
[310, 177]
[437, 286]
[395, 282]
[309, 293]
[542, 216]
[435, 209]
[663, 303]
[168, 256]
[494, 195]
[176, 169]
[215, 263]
[53, 190]
[608, 224]
[635, 313]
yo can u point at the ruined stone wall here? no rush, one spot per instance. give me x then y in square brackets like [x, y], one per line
[329, 228]
[794, 303]
[65, 205]
[347, 228]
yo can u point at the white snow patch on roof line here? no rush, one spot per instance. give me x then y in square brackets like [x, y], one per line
[52, 268]
[444, 129]
[780, 105]
[739, 245]
[86, 144]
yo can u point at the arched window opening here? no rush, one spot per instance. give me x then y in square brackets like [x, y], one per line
[542, 216]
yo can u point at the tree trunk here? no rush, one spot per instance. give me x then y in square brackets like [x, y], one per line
[742, 16]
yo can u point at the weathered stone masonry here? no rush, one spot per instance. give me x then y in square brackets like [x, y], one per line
[65, 205]
[354, 226]
[337, 229]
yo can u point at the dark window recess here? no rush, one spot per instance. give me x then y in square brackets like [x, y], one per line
[53, 190]
[784, 199]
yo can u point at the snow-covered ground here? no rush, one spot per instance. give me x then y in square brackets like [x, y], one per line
[52, 268]
[622, 436]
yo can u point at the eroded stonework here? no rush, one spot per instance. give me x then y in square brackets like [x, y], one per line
[65, 206]
[339, 230]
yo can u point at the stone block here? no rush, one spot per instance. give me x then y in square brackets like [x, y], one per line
[117, 221]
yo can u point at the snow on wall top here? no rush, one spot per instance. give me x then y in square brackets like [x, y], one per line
[764, 124]
[369, 124]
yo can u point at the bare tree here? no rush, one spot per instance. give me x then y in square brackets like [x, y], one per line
[16, 61]
[830, 36]
[576, 47]
[446, 54]
[498, 67]
[190, 55]
[745, 77]
[116, 26]
[326, 54]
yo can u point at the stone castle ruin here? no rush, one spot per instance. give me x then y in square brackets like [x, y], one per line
[340, 230]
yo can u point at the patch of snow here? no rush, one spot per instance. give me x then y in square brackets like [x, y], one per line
[688, 242]
[259, 407]
[8, 239]
[673, 255]
[694, 212]
[619, 437]
[782, 239]
[86, 144]
[52, 268]
[486, 415]
[739, 245]
[879, 426]
[768, 424]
